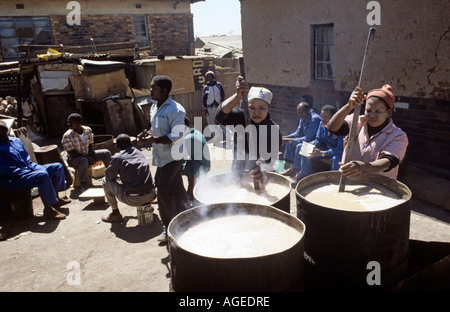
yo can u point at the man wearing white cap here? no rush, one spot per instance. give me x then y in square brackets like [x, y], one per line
[266, 135]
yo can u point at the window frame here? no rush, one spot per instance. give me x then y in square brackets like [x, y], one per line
[316, 45]
[146, 29]
[16, 27]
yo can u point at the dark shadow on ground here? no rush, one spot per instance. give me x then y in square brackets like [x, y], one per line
[137, 234]
[13, 227]
[430, 210]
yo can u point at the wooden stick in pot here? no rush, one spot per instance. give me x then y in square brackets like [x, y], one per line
[356, 113]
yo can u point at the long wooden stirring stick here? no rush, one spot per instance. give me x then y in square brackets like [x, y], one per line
[356, 113]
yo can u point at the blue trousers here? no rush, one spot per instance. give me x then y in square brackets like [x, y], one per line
[291, 151]
[49, 179]
[82, 163]
[306, 164]
[297, 158]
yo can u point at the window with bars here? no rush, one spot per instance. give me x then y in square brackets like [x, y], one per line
[140, 30]
[323, 51]
[15, 31]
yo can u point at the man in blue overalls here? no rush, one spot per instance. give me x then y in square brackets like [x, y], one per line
[18, 172]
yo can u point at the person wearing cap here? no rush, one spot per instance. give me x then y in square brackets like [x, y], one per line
[308, 125]
[266, 136]
[166, 135]
[18, 173]
[136, 182]
[379, 145]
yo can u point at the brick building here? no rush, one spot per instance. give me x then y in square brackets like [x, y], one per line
[163, 26]
[316, 47]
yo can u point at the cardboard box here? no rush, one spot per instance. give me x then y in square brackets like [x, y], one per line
[99, 87]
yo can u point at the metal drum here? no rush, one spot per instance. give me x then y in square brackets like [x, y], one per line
[346, 248]
[210, 189]
[104, 141]
[278, 271]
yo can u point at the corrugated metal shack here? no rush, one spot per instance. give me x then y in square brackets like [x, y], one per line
[107, 84]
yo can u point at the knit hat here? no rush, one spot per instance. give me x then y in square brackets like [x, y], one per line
[260, 93]
[385, 93]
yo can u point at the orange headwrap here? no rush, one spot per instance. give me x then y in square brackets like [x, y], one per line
[385, 93]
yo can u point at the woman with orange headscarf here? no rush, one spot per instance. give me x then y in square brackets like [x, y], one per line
[379, 145]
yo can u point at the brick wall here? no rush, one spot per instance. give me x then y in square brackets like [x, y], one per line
[285, 100]
[170, 34]
[102, 28]
[427, 124]
[425, 121]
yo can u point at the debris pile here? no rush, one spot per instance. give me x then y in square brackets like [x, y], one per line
[9, 107]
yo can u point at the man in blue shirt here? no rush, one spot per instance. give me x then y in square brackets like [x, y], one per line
[18, 172]
[306, 132]
[166, 136]
[326, 145]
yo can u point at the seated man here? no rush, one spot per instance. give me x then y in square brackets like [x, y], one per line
[77, 141]
[198, 161]
[18, 173]
[306, 131]
[136, 187]
[327, 145]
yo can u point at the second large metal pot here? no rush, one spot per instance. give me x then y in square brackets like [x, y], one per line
[210, 189]
[350, 248]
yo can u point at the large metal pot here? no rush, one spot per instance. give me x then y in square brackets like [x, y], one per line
[281, 271]
[205, 189]
[343, 245]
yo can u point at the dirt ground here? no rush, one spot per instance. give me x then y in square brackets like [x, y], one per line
[84, 254]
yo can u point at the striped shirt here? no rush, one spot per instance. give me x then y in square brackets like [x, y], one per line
[71, 140]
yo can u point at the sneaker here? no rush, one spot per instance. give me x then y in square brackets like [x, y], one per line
[163, 237]
[110, 218]
[52, 213]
